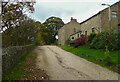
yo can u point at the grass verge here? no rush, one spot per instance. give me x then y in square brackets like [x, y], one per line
[94, 55]
[26, 69]
[17, 71]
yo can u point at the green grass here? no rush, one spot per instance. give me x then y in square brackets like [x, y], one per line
[95, 54]
[17, 72]
[53, 44]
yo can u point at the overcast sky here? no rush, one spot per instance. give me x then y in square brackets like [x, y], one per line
[65, 9]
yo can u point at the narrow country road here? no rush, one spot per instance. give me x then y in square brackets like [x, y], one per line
[62, 65]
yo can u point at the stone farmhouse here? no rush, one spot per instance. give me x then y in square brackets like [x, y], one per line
[97, 23]
[64, 33]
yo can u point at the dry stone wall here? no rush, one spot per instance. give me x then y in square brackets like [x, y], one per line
[11, 55]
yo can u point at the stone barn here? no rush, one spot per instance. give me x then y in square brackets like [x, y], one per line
[68, 29]
[97, 23]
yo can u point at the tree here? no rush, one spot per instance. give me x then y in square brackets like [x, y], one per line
[43, 37]
[13, 13]
[21, 35]
[53, 24]
[12, 19]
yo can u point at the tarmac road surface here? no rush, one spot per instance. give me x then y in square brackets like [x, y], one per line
[63, 65]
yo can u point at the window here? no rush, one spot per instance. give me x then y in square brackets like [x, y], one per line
[72, 37]
[78, 35]
[114, 12]
[93, 30]
[85, 32]
[114, 16]
[74, 30]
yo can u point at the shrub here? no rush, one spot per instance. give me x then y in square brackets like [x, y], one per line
[56, 42]
[80, 41]
[99, 41]
[102, 40]
[69, 42]
[91, 37]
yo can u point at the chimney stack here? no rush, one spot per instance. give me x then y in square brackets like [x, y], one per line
[73, 19]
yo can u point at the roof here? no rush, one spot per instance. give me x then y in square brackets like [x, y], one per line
[75, 33]
[68, 23]
[99, 12]
[90, 18]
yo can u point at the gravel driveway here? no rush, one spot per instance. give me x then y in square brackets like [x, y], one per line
[62, 65]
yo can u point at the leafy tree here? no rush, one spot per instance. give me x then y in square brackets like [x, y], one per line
[43, 36]
[27, 33]
[53, 24]
[13, 13]
[21, 35]
[12, 19]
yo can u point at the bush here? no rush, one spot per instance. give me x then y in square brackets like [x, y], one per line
[69, 42]
[102, 40]
[91, 37]
[56, 42]
[80, 41]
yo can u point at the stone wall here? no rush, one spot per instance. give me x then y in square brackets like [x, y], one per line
[61, 37]
[119, 12]
[75, 36]
[93, 22]
[11, 55]
[100, 21]
[97, 23]
[119, 17]
[70, 28]
[105, 23]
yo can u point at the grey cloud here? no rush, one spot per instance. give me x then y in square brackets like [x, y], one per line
[42, 13]
[66, 10]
